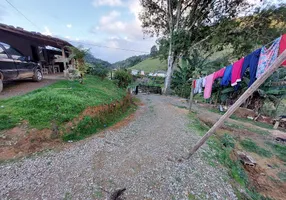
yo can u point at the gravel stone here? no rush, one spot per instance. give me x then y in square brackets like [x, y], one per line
[137, 157]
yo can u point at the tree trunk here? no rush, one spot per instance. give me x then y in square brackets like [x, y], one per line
[171, 61]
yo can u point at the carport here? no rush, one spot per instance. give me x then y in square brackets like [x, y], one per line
[34, 44]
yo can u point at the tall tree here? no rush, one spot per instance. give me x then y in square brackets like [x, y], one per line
[153, 51]
[184, 23]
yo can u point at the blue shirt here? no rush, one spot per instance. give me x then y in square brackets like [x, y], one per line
[226, 76]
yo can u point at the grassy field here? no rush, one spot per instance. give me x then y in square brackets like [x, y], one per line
[150, 65]
[60, 102]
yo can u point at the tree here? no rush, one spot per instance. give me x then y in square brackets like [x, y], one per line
[184, 23]
[154, 51]
[78, 55]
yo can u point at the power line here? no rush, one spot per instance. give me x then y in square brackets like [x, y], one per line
[23, 15]
[83, 43]
[102, 46]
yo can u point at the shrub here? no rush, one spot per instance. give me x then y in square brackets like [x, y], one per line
[98, 70]
[123, 78]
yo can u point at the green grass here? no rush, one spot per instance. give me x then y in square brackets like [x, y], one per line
[151, 65]
[282, 176]
[91, 125]
[251, 146]
[279, 150]
[59, 102]
[220, 149]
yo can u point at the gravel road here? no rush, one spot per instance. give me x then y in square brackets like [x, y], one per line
[137, 157]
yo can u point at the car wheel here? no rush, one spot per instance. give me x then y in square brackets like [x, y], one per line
[1, 85]
[38, 75]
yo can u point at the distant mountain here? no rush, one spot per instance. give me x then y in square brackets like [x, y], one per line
[89, 58]
[130, 62]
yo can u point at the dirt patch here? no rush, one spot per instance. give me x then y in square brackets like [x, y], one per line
[22, 141]
[263, 177]
[20, 87]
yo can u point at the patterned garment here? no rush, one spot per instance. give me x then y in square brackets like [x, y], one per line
[199, 86]
[282, 47]
[267, 57]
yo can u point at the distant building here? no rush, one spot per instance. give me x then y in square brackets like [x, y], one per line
[134, 72]
[160, 73]
[142, 73]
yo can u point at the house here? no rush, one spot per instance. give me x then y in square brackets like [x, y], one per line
[134, 72]
[45, 50]
[160, 73]
[142, 73]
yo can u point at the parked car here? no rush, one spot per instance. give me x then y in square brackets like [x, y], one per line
[14, 65]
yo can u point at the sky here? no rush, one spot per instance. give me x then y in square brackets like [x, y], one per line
[111, 23]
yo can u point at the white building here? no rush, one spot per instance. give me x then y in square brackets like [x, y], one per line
[134, 72]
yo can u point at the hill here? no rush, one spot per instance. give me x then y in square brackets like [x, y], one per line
[129, 62]
[151, 65]
[89, 58]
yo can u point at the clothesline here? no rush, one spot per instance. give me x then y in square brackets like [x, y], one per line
[258, 62]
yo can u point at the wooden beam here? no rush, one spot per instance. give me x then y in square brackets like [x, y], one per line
[64, 59]
[281, 58]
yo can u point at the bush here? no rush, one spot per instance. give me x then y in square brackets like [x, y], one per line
[98, 70]
[123, 78]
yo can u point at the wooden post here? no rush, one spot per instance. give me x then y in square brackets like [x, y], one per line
[64, 59]
[241, 99]
[191, 96]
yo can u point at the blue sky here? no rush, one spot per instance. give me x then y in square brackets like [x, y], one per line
[112, 23]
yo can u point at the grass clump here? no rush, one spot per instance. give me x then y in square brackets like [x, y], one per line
[61, 102]
[91, 125]
[251, 146]
[279, 150]
[282, 176]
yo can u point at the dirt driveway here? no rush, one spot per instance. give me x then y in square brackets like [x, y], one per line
[137, 157]
[20, 87]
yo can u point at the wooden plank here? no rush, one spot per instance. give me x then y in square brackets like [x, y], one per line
[64, 58]
[281, 58]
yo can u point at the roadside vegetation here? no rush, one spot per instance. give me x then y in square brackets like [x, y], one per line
[60, 102]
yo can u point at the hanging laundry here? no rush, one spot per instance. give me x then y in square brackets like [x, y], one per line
[282, 47]
[226, 76]
[204, 81]
[236, 72]
[267, 57]
[219, 73]
[199, 86]
[208, 86]
[194, 84]
[251, 61]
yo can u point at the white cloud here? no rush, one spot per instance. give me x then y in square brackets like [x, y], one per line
[69, 25]
[113, 15]
[47, 31]
[67, 37]
[97, 3]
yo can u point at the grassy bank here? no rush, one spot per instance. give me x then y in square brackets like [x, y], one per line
[58, 103]
[223, 148]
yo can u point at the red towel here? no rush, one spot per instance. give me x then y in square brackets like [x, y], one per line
[236, 72]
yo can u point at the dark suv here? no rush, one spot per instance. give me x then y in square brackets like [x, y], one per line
[14, 65]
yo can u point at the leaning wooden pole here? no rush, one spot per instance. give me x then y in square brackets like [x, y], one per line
[242, 99]
[191, 96]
